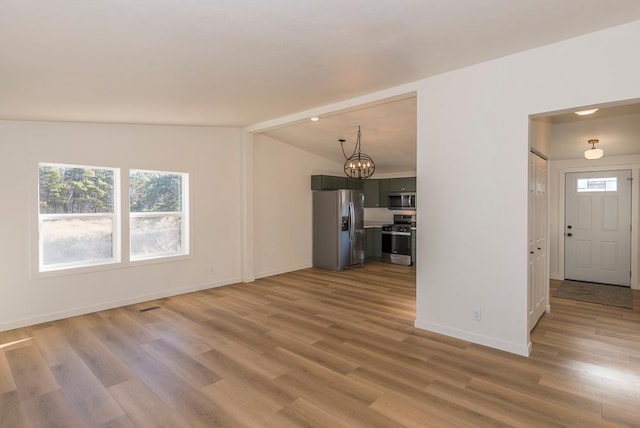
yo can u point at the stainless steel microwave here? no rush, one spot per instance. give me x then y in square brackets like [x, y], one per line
[402, 201]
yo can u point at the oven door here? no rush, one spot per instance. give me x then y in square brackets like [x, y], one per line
[396, 247]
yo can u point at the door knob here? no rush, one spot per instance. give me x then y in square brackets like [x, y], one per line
[569, 227]
[569, 234]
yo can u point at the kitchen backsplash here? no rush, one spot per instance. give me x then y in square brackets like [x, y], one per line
[383, 215]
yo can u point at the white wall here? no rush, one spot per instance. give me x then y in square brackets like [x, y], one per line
[210, 155]
[282, 205]
[472, 168]
[540, 136]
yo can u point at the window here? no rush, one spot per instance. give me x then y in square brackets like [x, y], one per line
[609, 184]
[158, 204]
[77, 216]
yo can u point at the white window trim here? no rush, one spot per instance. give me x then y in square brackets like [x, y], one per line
[122, 259]
[185, 214]
[42, 271]
[605, 180]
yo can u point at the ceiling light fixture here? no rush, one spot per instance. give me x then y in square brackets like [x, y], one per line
[593, 153]
[586, 112]
[358, 165]
[315, 119]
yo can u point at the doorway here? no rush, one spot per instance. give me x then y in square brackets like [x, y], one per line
[597, 230]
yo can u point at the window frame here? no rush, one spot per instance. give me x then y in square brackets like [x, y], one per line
[114, 215]
[609, 185]
[185, 215]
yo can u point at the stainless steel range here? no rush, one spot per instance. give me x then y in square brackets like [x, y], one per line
[396, 240]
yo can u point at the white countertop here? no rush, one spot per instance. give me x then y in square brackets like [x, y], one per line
[369, 224]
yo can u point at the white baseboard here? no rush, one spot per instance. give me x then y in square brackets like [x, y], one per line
[53, 316]
[280, 271]
[556, 276]
[492, 342]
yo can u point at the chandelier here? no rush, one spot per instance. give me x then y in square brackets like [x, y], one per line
[359, 165]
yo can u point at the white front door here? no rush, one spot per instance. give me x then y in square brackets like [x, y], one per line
[598, 227]
[538, 277]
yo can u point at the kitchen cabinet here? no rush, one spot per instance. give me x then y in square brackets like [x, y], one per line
[371, 193]
[354, 184]
[328, 182]
[413, 247]
[393, 185]
[332, 182]
[411, 184]
[405, 184]
[376, 191]
[373, 247]
[383, 193]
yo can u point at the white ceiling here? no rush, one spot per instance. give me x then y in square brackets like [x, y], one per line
[238, 62]
[616, 127]
[388, 135]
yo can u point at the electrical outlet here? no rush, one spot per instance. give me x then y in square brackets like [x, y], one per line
[476, 315]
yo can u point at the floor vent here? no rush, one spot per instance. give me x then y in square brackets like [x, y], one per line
[150, 308]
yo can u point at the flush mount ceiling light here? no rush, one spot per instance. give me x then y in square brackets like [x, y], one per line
[586, 112]
[315, 119]
[358, 165]
[593, 153]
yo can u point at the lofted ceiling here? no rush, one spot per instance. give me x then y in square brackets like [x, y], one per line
[239, 62]
[388, 135]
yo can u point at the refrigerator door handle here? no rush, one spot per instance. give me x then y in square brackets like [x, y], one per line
[352, 221]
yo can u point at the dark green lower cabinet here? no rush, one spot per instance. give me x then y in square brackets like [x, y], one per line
[373, 248]
[413, 247]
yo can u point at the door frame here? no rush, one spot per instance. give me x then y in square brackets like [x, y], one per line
[559, 227]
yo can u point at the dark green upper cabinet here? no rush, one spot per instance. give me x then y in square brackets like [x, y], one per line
[332, 182]
[405, 184]
[371, 193]
[355, 184]
[376, 192]
[328, 182]
[411, 184]
[383, 193]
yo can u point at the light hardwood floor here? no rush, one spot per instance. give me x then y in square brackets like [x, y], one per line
[316, 348]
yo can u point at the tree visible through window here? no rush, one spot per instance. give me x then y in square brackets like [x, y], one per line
[158, 221]
[77, 216]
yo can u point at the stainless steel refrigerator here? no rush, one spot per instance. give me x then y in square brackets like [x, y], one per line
[338, 229]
